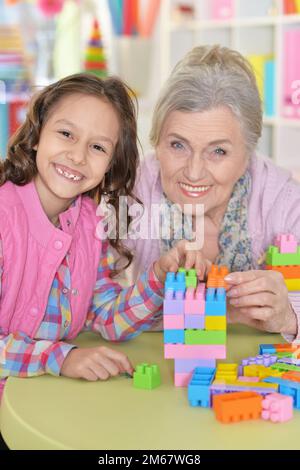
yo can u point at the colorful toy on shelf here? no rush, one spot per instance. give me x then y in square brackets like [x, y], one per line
[95, 60]
[194, 321]
[284, 256]
[146, 376]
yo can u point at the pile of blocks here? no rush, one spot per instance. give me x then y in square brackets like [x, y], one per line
[284, 256]
[265, 386]
[194, 316]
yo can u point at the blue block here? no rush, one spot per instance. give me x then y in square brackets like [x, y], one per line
[287, 387]
[269, 88]
[175, 281]
[174, 336]
[199, 387]
[267, 349]
[215, 301]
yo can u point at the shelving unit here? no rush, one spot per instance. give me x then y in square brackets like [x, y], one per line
[256, 28]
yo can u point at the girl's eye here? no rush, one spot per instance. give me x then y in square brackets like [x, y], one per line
[65, 133]
[219, 151]
[99, 148]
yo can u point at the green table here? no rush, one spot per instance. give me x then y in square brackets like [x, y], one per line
[59, 413]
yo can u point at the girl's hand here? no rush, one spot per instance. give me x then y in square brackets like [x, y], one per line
[181, 256]
[95, 364]
[260, 299]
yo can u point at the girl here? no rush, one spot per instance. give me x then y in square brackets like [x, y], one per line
[78, 142]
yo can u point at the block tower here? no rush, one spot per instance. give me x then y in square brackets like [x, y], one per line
[284, 256]
[194, 317]
[95, 60]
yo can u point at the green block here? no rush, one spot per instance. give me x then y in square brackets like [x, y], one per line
[190, 278]
[284, 354]
[146, 376]
[204, 337]
[284, 367]
[274, 258]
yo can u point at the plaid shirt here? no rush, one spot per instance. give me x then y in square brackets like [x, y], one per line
[116, 313]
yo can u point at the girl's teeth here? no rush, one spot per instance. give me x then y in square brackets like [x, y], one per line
[191, 189]
[68, 175]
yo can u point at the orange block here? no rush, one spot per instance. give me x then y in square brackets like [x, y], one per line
[288, 272]
[292, 375]
[285, 347]
[216, 276]
[237, 406]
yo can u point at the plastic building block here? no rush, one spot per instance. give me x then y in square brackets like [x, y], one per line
[287, 387]
[221, 387]
[198, 388]
[146, 376]
[194, 321]
[292, 284]
[190, 277]
[261, 359]
[227, 372]
[261, 371]
[274, 258]
[286, 243]
[173, 322]
[291, 375]
[285, 347]
[267, 349]
[174, 336]
[288, 272]
[289, 360]
[215, 302]
[175, 281]
[174, 302]
[216, 276]
[285, 367]
[182, 379]
[240, 406]
[277, 408]
[204, 337]
[243, 378]
[195, 351]
[195, 300]
[188, 365]
[215, 322]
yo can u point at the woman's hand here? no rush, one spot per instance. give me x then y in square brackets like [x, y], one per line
[95, 364]
[260, 299]
[181, 256]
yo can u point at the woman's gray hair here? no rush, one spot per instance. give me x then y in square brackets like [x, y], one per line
[206, 78]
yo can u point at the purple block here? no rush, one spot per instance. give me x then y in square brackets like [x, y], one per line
[174, 302]
[194, 321]
[188, 365]
[261, 359]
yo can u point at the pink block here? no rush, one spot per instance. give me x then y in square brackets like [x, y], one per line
[286, 243]
[222, 9]
[277, 408]
[195, 351]
[182, 379]
[244, 378]
[195, 300]
[173, 322]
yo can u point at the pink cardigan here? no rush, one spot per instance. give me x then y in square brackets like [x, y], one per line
[274, 207]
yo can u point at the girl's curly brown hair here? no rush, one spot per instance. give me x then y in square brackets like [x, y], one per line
[20, 165]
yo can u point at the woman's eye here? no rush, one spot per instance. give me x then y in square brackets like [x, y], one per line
[177, 145]
[219, 151]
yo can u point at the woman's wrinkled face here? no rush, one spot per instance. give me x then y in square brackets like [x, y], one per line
[201, 155]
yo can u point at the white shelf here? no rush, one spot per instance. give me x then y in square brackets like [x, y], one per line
[251, 22]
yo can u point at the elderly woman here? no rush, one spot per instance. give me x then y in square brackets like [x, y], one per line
[206, 125]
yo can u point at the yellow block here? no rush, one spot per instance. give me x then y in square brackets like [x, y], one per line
[227, 372]
[292, 284]
[258, 64]
[215, 322]
[261, 371]
[241, 383]
[297, 4]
